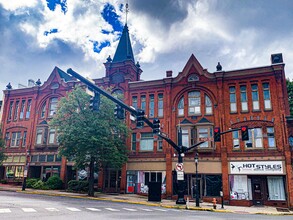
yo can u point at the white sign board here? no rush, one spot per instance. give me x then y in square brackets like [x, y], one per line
[179, 167]
[25, 173]
[256, 167]
[180, 175]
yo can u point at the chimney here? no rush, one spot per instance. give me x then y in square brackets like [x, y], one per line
[169, 73]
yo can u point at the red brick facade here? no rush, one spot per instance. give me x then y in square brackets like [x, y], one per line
[255, 172]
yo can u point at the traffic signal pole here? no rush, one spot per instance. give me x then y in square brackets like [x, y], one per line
[136, 112]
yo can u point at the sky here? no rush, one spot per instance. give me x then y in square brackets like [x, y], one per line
[37, 35]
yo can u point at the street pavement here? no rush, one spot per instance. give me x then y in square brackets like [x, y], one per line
[137, 199]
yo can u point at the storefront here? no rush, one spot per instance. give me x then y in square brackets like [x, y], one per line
[257, 183]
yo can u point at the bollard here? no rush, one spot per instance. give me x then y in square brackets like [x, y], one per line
[214, 203]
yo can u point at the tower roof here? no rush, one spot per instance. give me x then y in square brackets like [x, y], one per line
[124, 49]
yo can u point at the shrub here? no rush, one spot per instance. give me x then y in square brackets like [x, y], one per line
[30, 182]
[78, 186]
[38, 185]
[54, 182]
[3, 181]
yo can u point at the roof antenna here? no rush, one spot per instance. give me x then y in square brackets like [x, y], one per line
[126, 10]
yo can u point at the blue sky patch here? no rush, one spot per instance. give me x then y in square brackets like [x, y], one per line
[52, 5]
[109, 14]
[52, 31]
[97, 47]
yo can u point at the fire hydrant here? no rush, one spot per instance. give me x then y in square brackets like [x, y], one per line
[214, 203]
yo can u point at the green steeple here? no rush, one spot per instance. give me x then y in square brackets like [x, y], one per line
[124, 49]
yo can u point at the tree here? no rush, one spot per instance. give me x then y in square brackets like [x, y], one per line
[2, 155]
[89, 138]
[290, 95]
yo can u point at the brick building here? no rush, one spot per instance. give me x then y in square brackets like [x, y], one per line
[257, 171]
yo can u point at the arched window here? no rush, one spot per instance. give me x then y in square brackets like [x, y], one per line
[194, 103]
[208, 105]
[181, 107]
[43, 110]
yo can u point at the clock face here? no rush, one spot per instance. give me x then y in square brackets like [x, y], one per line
[117, 78]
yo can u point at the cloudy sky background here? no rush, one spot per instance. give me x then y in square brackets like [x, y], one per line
[37, 35]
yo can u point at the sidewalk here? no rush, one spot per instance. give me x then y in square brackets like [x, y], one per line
[137, 199]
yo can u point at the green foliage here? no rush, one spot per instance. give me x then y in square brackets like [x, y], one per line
[84, 134]
[30, 182]
[3, 181]
[2, 155]
[54, 182]
[39, 185]
[78, 186]
[290, 95]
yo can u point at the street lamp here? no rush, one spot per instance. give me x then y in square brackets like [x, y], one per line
[196, 180]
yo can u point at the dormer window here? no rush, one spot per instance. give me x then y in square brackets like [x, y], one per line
[193, 78]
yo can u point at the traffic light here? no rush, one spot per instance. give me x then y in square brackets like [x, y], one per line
[95, 102]
[139, 118]
[119, 112]
[156, 126]
[244, 133]
[217, 134]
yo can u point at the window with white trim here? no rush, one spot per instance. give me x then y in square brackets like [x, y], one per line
[267, 96]
[53, 106]
[160, 105]
[203, 133]
[43, 110]
[146, 141]
[21, 114]
[233, 104]
[39, 137]
[24, 139]
[143, 102]
[235, 135]
[243, 98]
[133, 141]
[151, 106]
[28, 109]
[10, 110]
[16, 109]
[255, 98]
[208, 105]
[185, 137]
[181, 107]
[255, 138]
[52, 136]
[134, 102]
[15, 140]
[194, 103]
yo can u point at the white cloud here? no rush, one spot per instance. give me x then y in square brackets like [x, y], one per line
[14, 5]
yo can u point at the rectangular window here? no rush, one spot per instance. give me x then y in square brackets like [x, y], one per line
[53, 106]
[267, 95]
[255, 138]
[35, 158]
[146, 142]
[52, 134]
[181, 107]
[16, 109]
[194, 103]
[134, 102]
[39, 136]
[133, 142]
[7, 137]
[203, 133]
[151, 106]
[276, 188]
[185, 137]
[271, 137]
[42, 158]
[28, 109]
[255, 98]
[22, 109]
[143, 102]
[208, 105]
[160, 105]
[243, 98]
[24, 139]
[233, 105]
[235, 139]
[10, 110]
[50, 158]
[15, 139]
[159, 144]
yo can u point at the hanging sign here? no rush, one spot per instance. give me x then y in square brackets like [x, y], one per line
[256, 167]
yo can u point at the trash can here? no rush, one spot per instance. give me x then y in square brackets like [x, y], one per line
[154, 191]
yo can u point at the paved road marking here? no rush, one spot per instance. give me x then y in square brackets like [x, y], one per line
[147, 210]
[73, 209]
[52, 209]
[28, 210]
[131, 210]
[161, 210]
[94, 209]
[112, 210]
[5, 210]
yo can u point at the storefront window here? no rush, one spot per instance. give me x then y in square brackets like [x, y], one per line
[276, 188]
[239, 187]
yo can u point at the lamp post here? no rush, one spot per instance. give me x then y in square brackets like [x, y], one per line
[196, 179]
[25, 172]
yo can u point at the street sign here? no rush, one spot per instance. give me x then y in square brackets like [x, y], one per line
[25, 173]
[205, 139]
[180, 175]
[179, 167]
